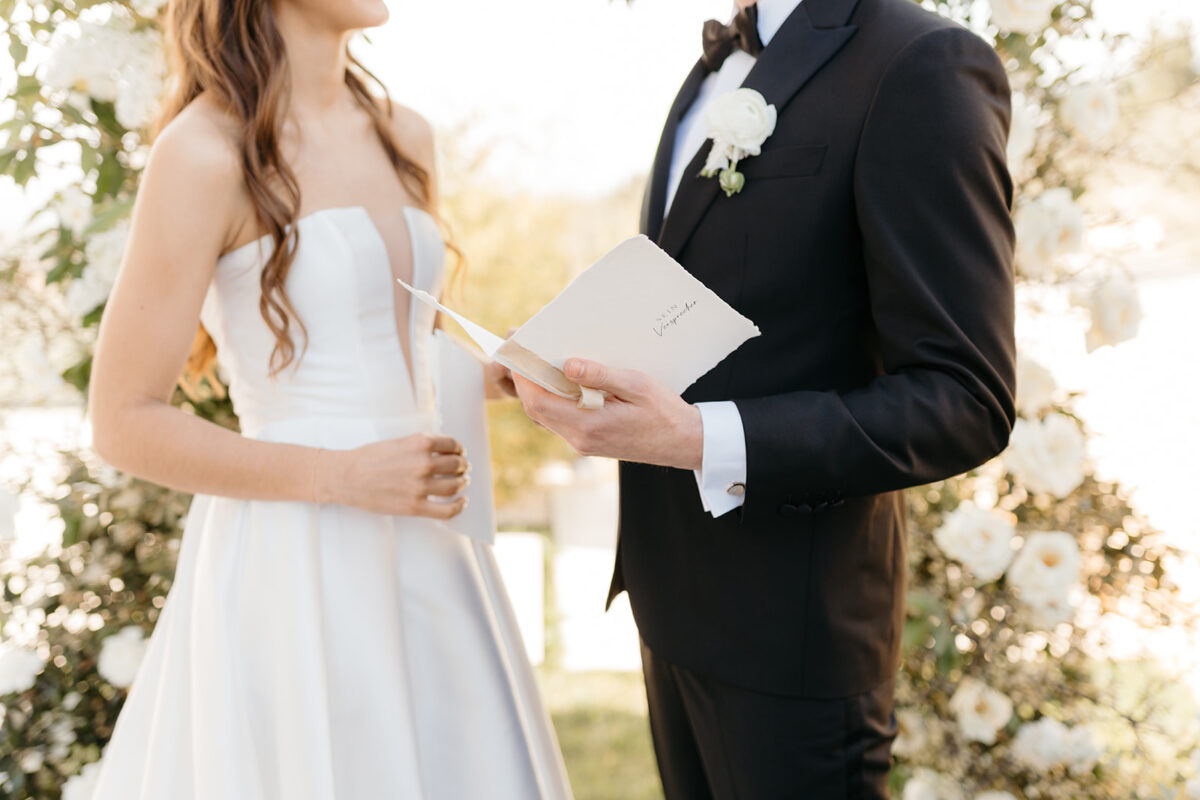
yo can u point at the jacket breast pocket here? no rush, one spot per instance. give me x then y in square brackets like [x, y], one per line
[784, 162]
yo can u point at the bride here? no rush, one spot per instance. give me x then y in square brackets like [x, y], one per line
[327, 636]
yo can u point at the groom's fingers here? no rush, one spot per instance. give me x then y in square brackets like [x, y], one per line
[624, 383]
[541, 406]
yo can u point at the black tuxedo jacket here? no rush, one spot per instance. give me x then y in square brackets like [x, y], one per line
[872, 245]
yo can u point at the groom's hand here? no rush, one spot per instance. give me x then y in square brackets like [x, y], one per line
[642, 420]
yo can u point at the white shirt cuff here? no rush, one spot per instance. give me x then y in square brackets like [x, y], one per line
[722, 474]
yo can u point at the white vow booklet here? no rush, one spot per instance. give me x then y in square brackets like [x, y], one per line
[635, 308]
[461, 414]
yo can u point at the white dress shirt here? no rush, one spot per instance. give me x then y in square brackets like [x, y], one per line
[722, 475]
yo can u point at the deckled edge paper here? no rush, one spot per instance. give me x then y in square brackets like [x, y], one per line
[524, 360]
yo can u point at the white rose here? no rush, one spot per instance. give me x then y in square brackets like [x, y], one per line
[1081, 750]
[61, 736]
[140, 80]
[1046, 568]
[1022, 16]
[981, 711]
[121, 655]
[925, 784]
[1115, 308]
[104, 252]
[105, 249]
[84, 57]
[38, 376]
[912, 735]
[981, 540]
[1038, 745]
[9, 505]
[1047, 455]
[110, 63]
[1050, 610]
[1047, 226]
[83, 785]
[1022, 134]
[31, 761]
[19, 669]
[1036, 386]
[74, 209]
[86, 292]
[1047, 743]
[148, 8]
[137, 101]
[740, 118]
[1090, 111]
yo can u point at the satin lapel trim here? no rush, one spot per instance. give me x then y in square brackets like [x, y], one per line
[796, 53]
[656, 198]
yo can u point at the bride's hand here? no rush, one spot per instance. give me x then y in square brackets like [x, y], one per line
[499, 382]
[396, 476]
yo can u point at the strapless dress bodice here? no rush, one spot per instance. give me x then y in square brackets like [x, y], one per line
[350, 373]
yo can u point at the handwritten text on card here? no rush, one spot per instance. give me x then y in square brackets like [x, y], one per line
[670, 318]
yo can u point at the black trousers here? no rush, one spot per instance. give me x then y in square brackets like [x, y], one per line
[715, 740]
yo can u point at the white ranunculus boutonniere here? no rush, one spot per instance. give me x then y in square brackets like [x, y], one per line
[738, 123]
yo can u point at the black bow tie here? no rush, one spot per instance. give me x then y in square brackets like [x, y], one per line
[721, 40]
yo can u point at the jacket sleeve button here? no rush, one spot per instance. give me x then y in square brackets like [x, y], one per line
[788, 510]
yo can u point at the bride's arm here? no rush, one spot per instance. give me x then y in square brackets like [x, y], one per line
[187, 211]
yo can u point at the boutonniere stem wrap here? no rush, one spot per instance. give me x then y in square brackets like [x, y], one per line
[738, 123]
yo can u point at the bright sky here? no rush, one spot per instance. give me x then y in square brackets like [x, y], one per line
[569, 94]
[572, 94]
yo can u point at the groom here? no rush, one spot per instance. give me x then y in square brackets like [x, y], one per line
[762, 534]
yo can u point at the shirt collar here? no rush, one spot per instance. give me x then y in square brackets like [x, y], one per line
[771, 16]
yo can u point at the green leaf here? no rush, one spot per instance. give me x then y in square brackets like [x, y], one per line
[60, 270]
[72, 113]
[110, 214]
[106, 116]
[27, 86]
[947, 654]
[7, 157]
[7, 7]
[79, 375]
[88, 158]
[90, 319]
[16, 48]
[25, 168]
[71, 528]
[110, 176]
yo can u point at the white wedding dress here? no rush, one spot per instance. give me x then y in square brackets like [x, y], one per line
[322, 652]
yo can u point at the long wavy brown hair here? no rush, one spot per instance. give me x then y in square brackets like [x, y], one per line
[233, 50]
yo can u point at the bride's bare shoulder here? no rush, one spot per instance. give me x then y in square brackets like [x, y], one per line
[195, 162]
[414, 134]
[200, 143]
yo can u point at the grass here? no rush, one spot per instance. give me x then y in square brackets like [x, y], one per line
[601, 722]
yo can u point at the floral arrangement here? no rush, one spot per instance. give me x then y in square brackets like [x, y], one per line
[1029, 575]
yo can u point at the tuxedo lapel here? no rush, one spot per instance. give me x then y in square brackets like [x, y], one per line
[795, 54]
[656, 195]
